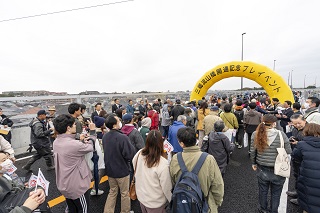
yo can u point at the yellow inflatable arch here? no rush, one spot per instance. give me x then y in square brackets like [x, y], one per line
[273, 84]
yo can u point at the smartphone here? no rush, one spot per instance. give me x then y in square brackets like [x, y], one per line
[292, 139]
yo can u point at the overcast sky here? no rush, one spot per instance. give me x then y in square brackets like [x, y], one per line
[153, 45]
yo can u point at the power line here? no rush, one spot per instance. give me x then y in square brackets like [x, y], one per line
[64, 11]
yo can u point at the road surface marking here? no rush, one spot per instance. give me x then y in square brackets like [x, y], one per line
[24, 158]
[61, 198]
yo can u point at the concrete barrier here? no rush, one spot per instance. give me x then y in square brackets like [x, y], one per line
[20, 139]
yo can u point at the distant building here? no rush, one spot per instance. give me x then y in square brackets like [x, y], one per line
[33, 93]
[89, 93]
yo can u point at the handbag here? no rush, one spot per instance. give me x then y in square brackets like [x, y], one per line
[282, 163]
[245, 140]
[132, 189]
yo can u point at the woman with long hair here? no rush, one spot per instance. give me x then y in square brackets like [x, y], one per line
[265, 141]
[203, 111]
[152, 176]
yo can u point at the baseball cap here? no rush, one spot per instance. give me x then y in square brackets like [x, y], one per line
[214, 108]
[41, 112]
[127, 117]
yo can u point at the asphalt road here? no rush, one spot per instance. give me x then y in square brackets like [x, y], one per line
[241, 188]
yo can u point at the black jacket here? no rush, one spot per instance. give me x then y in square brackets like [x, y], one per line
[308, 186]
[284, 121]
[142, 110]
[4, 120]
[176, 111]
[114, 107]
[39, 134]
[118, 151]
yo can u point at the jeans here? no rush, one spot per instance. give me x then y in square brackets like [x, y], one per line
[267, 179]
[165, 132]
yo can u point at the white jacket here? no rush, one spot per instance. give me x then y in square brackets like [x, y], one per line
[6, 146]
[153, 185]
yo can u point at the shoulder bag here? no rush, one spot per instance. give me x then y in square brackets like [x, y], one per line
[132, 190]
[282, 163]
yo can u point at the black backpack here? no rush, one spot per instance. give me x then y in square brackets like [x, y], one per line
[187, 196]
[239, 115]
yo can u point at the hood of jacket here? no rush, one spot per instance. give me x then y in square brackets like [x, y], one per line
[238, 108]
[271, 135]
[177, 123]
[34, 121]
[127, 129]
[216, 137]
[312, 141]
[252, 113]
[165, 108]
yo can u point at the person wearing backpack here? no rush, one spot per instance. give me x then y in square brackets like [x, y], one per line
[207, 175]
[239, 113]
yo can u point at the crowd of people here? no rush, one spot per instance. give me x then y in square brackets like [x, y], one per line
[131, 139]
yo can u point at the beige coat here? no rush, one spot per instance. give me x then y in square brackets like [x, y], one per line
[153, 185]
[209, 121]
[210, 178]
[201, 117]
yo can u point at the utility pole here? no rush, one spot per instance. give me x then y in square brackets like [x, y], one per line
[291, 80]
[274, 65]
[304, 82]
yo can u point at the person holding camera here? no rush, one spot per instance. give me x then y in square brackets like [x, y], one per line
[73, 176]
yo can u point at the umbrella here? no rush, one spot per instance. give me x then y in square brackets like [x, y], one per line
[95, 159]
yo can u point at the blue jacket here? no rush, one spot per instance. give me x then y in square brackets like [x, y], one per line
[172, 138]
[130, 109]
[308, 153]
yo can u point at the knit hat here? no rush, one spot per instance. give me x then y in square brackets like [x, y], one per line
[98, 121]
[146, 122]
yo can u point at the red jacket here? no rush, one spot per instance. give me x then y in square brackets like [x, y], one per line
[153, 114]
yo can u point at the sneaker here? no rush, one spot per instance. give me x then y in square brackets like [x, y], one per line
[26, 167]
[236, 143]
[293, 194]
[93, 192]
[50, 168]
[294, 201]
[239, 146]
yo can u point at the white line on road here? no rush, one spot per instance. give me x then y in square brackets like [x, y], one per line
[283, 199]
[24, 158]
